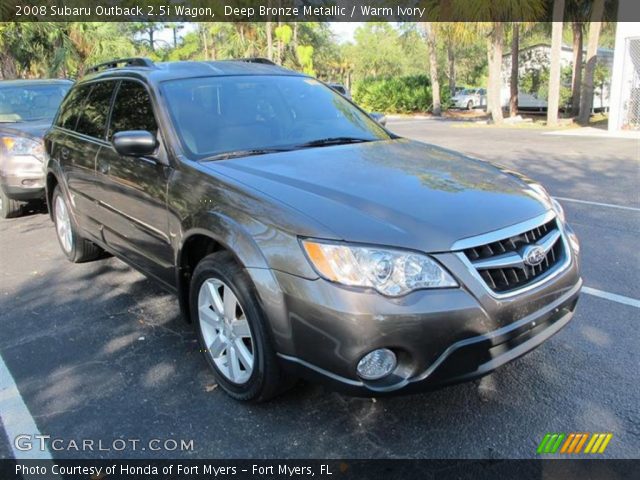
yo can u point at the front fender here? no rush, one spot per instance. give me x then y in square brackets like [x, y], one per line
[54, 171]
[260, 249]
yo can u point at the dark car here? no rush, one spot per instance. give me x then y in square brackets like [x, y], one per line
[301, 237]
[27, 108]
[341, 89]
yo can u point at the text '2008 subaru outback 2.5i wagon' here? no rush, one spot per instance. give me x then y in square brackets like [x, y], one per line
[301, 237]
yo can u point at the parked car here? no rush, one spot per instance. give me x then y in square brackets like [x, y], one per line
[27, 108]
[341, 89]
[300, 236]
[470, 98]
[381, 118]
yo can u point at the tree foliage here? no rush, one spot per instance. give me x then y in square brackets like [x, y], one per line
[387, 66]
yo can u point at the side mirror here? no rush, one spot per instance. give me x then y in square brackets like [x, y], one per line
[134, 143]
[381, 118]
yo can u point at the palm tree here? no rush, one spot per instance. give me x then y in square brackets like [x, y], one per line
[269, 28]
[456, 35]
[147, 29]
[517, 29]
[8, 62]
[515, 57]
[494, 87]
[433, 68]
[577, 29]
[26, 49]
[554, 70]
[595, 23]
[578, 13]
[497, 10]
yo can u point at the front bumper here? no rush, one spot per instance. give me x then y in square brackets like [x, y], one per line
[22, 177]
[439, 336]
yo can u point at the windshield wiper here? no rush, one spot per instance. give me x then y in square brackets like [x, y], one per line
[261, 151]
[243, 153]
[322, 142]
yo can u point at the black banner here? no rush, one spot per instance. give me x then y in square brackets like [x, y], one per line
[290, 10]
[317, 469]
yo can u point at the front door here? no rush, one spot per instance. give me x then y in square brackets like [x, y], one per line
[134, 189]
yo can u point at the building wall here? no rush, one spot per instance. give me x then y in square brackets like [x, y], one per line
[538, 57]
[624, 113]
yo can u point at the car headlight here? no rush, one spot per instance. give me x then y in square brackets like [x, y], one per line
[23, 146]
[390, 272]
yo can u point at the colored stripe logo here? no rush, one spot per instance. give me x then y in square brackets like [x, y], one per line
[574, 443]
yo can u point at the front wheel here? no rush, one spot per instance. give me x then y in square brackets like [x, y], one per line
[232, 330]
[76, 248]
[9, 208]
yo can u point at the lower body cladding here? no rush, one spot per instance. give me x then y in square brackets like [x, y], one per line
[425, 340]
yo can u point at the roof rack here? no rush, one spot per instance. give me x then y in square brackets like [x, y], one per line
[264, 61]
[125, 62]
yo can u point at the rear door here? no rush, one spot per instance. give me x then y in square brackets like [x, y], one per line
[90, 133]
[76, 155]
[133, 190]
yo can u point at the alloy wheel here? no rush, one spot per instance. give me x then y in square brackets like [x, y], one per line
[225, 330]
[63, 225]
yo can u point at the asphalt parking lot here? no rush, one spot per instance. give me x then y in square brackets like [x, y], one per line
[99, 352]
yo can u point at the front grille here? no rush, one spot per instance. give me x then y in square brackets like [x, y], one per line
[501, 264]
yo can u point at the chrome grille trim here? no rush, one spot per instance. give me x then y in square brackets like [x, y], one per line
[493, 260]
[513, 259]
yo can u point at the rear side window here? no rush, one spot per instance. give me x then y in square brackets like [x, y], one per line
[93, 118]
[132, 109]
[72, 107]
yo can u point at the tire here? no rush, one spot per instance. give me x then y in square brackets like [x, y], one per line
[222, 335]
[9, 208]
[76, 248]
[470, 105]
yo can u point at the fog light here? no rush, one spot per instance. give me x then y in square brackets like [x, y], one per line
[377, 364]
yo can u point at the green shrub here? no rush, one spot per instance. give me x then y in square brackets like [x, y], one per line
[537, 82]
[394, 95]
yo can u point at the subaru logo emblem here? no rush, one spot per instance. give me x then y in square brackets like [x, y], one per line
[533, 255]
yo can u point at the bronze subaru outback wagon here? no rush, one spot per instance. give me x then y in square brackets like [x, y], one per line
[301, 237]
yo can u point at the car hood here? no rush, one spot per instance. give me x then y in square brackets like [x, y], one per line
[397, 192]
[34, 129]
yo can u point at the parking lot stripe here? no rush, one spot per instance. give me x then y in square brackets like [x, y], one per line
[16, 418]
[599, 204]
[632, 302]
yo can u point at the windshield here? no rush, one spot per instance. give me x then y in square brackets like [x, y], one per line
[217, 115]
[27, 103]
